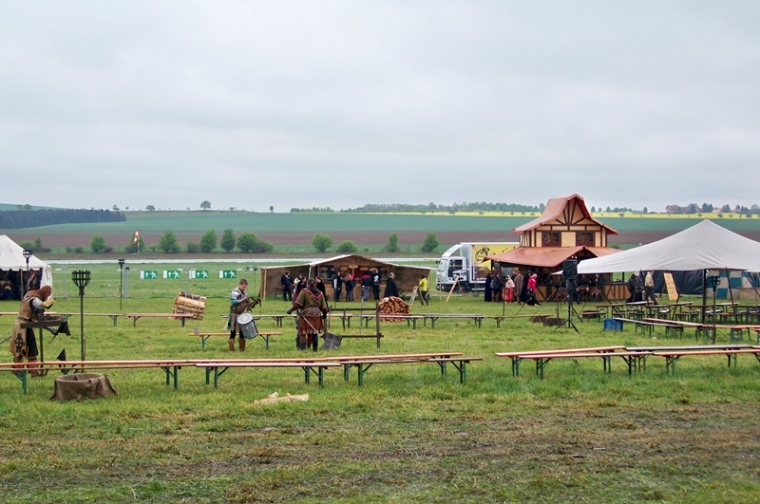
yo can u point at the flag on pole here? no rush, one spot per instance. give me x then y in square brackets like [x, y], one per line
[136, 238]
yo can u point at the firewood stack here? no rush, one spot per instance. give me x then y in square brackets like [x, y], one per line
[393, 306]
[189, 303]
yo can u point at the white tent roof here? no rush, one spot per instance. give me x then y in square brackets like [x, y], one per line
[703, 246]
[12, 259]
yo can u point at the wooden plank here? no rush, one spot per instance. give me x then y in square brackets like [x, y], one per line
[670, 284]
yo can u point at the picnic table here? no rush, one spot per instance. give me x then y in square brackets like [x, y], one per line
[672, 356]
[518, 356]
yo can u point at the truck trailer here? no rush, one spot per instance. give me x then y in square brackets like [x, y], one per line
[465, 260]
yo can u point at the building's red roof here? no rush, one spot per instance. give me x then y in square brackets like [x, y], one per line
[553, 211]
[545, 257]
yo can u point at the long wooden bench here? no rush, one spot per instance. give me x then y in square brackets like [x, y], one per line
[632, 359]
[517, 357]
[181, 316]
[672, 356]
[534, 317]
[363, 365]
[206, 335]
[113, 316]
[649, 324]
[219, 367]
[684, 348]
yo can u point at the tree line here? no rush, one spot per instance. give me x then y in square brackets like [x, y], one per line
[246, 243]
[27, 218]
[430, 207]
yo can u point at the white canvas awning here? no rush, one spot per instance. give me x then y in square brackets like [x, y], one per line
[703, 246]
[12, 259]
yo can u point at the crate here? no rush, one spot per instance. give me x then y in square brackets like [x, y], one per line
[613, 325]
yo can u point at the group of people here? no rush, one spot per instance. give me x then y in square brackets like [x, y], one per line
[506, 289]
[641, 288]
[344, 285]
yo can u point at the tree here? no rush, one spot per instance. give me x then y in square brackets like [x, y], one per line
[228, 240]
[263, 247]
[726, 208]
[646, 210]
[192, 247]
[271, 209]
[347, 247]
[205, 205]
[321, 242]
[168, 243]
[208, 241]
[430, 244]
[392, 243]
[246, 242]
[98, 244]
[150, 208]
[115, 208]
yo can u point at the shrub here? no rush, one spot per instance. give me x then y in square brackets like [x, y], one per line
[430, 244]
[347, 247]
[321, 242]
[98, 244]
[192, 248]
[246, 242]
[168, 243]
[392, 245]
[208, 241]
[228, 240]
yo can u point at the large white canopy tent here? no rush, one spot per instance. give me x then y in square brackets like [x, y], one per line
[705, 246]
[12, 259]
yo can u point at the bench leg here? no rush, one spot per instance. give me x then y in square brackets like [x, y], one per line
[307, 374]
[203, 342]
[321, 374]
[114, 318]
[540, 365]
[266, 342]
[346, 371]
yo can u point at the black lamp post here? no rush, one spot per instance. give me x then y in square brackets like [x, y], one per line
[27, 255]
[81, 279]
[121, 282]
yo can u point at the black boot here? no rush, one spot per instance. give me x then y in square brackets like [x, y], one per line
[315, 342]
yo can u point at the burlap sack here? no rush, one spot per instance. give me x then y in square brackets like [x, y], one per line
[82, 386]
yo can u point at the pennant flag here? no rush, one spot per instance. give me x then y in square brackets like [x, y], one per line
[136, 238]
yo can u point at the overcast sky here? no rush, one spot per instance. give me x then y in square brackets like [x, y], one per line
[251, 104]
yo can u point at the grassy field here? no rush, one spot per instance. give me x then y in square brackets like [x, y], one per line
[407, 436]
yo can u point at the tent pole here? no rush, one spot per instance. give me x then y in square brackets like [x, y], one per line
[704, 294]
[731, 296]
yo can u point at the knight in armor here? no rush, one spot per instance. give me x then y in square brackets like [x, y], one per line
[24, 342]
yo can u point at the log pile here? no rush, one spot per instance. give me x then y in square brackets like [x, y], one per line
[189, 303]
[393, 306]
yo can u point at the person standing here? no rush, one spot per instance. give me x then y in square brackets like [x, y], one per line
[518, 280]
[423, 287]
[312, 308]
[649, 287]
[391, 290]
[531, 290]
[487, 296]
[366, 285]
[509, 290]
[337, 285]
[350, 286]
[23, 342]
[376, 284]
[239, 303]
[287, 285]
[321, 286]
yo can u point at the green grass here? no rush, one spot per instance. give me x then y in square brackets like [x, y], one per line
[407, 436]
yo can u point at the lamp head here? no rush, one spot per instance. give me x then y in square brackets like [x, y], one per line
[121, 263]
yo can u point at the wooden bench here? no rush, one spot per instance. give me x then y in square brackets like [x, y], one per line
[364, 364]
[591, 314]
[517, 357]
[672, 356]
[632, 359]
[685, 348]
[170, 367]
[181, 316]
[218, 368]
[650, 324]
[534, 317]
[113, 316]
[206, 335]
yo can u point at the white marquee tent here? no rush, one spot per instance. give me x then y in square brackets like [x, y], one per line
[12, 259]
[704, 246]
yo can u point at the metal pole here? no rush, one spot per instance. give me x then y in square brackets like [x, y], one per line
[81, 319]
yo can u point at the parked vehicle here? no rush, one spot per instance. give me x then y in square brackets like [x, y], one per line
[465, 260]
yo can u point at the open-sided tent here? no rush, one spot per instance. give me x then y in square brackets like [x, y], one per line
[13, 265]
[705, 246]
[407, 277]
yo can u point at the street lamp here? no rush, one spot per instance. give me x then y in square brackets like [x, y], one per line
[27, 255]
[121, 282]
[81, 279]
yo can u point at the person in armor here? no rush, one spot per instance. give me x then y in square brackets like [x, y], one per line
[239, 303]
[312, 309]
[23, 341]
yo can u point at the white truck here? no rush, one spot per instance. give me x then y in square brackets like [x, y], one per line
[465, 261]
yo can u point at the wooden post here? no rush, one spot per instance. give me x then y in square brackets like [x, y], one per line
[454, 286]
